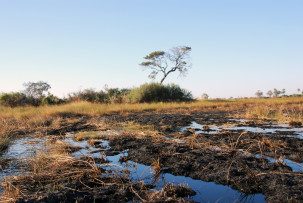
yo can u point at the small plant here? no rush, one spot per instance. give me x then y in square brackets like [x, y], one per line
[156, 166]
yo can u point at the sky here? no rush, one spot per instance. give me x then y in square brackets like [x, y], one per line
[238, 46]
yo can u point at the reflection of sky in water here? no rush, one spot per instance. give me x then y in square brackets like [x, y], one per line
[298, 132]
[24, 148]
[206, 191]
[19, 149]
[87, 149]
[296, 167]
[199, 128]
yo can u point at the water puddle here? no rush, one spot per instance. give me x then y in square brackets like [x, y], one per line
[87, 149]
[296, 167]
[206, 191]
[17, 153]
[175, 140]
[270, 129]
[210, 129]
[23, 148]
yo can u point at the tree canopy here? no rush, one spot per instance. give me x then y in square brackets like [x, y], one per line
[36, 89]
[177, 59]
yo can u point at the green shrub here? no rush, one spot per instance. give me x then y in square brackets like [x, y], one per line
[89, 95]
[155, 92]
[51, 100]
[116, 95]
[13, 99]
[112, 95]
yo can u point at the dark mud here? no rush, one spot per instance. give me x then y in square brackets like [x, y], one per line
[232, 155]
[225, 157]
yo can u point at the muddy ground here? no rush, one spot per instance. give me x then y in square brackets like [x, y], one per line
[223, 156]
[231, 165]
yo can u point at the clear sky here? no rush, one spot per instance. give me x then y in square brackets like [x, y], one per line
[238, 46]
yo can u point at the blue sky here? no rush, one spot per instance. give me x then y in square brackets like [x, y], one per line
[238, 46]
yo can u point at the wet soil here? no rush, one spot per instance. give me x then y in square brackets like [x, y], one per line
[224, 156]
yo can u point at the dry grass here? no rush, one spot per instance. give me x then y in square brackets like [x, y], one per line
[80, 136]
[55, 171]
[38, 114]
[86, 108]
[51, 168]
[285, 111]
[21, 120]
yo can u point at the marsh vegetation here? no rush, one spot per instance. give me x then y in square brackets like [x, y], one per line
[244, 149]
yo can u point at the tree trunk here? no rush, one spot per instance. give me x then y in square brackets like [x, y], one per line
[163, 79]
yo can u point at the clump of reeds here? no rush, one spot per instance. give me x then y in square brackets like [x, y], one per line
[171, 193]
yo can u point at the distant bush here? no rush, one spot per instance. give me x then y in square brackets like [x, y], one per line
[13, 99]
[51, 100]
[89, 95]
[155, 92]
[112, 95]
[116, 95]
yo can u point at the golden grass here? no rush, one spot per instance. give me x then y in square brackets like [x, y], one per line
[283, 113]
[27, 118]
[53, 168]
[86, 108]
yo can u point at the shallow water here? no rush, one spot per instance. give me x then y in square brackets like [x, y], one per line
[206, 191]
[18, 150]
[296, 167]
[298, 132]
[199, 128]
[87, 149]
[24, 148]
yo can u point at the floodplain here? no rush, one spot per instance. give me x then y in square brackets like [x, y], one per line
[237, 150]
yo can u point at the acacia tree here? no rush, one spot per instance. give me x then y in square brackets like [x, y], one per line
[259, 94]
[269, 93]
[36, 89]
[205, 96]
[168, 62]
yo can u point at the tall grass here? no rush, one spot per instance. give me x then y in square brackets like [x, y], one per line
[26, 118]
[86, 108]
[279, 109]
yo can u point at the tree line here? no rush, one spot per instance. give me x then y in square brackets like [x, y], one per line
[37, 94]
[278, 93]
[165, 63]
